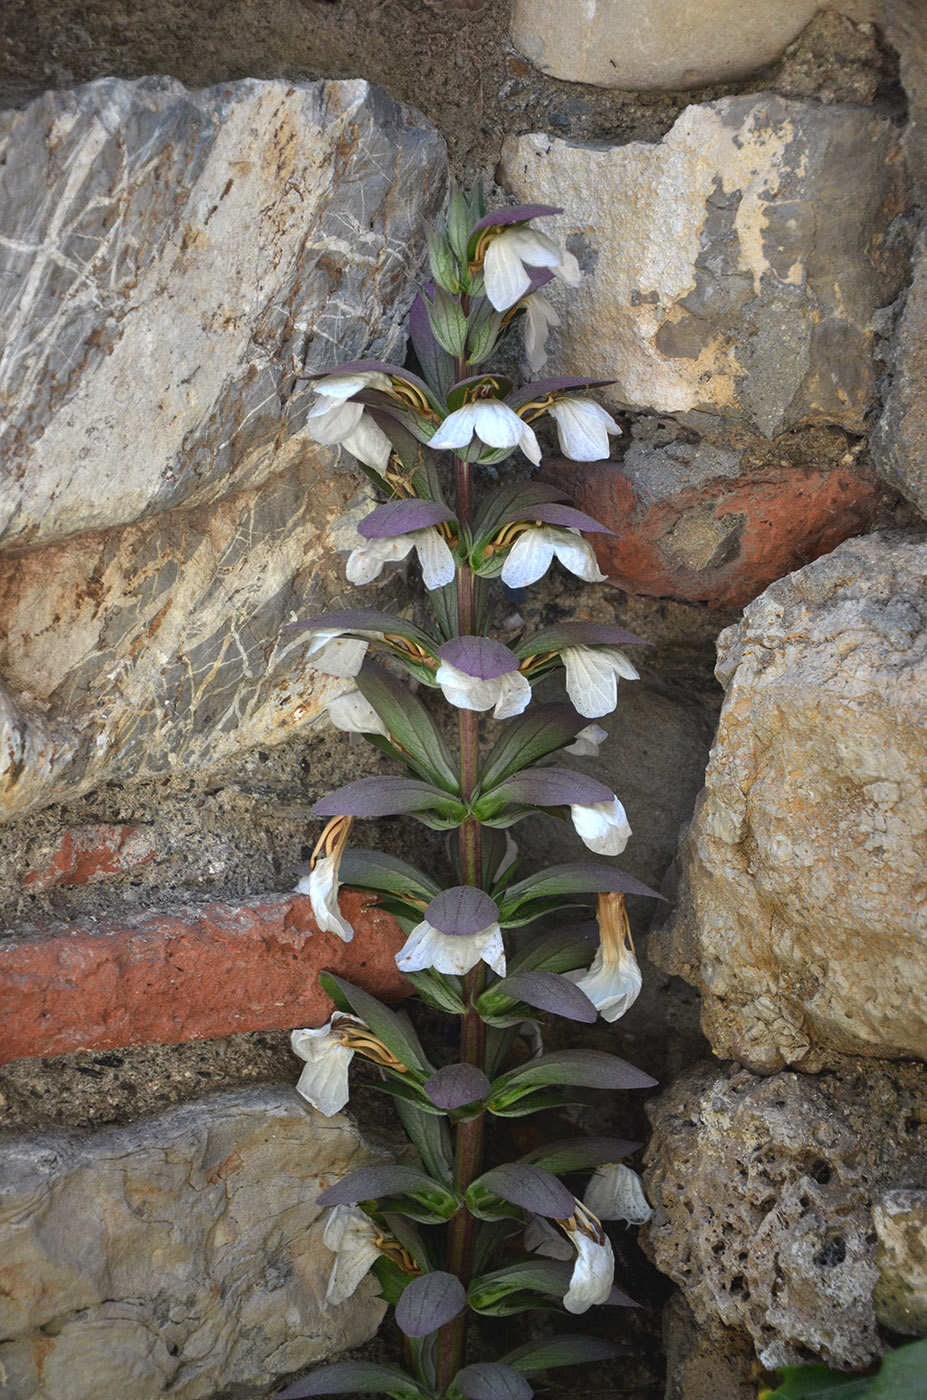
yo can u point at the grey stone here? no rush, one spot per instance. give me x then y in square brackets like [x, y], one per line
[803, 919]
[732, 268]
[765, 1192]
[182, 1253]
[170, 259]
[900, 1295]
[639, 44]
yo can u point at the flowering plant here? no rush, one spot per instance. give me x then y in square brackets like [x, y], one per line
[502, 1239]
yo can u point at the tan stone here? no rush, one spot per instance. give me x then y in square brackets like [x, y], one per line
[733, 268]
[182, 1253]
[641, 44]
[803, 919]
[900, 1295]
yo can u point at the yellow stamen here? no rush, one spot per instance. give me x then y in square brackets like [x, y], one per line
[355, 1036]
[395, 1251]
[614, 926]
[333, 840]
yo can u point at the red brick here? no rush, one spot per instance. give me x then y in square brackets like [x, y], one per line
[784, 517]
[87, 854]
[186, 975]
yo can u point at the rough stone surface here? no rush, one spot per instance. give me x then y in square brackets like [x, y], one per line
[84, 855]
[711, 523]
[805, 914]
[185, 975]
[763, 1194]
[182, 1254]
[733, 268]
[641, 44]
[705, 1362]
[183, 253]
[145, 631]
[899, 440]
[900, 1295]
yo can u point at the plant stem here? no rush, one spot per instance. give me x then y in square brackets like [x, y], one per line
[469, 1142]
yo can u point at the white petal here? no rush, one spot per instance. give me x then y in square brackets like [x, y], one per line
[575, 554]
[465, 691]
[528, 559]
[514, 695]
[321, 885]
[568, 269]
[615, 1193]
[504, 274]
[539, 317]
[339, 656]
[368, 443]
[428, 947]
[592, 678]
[324, 1081]
[457, 429]
[588, 741]
[602, 826]
[583, 428]
[329, 423]
[355, 715]
[593, 1274]
[344, 386]
[613, 986]
[366, 563]
[435, 557]
[350, 1235]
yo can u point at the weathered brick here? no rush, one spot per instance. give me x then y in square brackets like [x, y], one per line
[85, 855]
[185, 974]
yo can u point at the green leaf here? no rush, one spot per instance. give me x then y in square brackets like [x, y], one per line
[483, 329]
[374, 870]
[431, 1136]
[584, 877]
[591, 1069]
[533, 1102]
[441, 990]
[448, 323]
[563, 951]
[541, 730]
[520, 1184]
[519, 1283]
[900, 1377]
[394, 1032]
[392, 796]
[356, 1378]
[580, 1154]
[409, 723]
[564, 1350]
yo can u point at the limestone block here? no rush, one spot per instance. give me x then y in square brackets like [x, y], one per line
[641, 44]
[180, 1253]
[732, 268]
[764, 1195]
[803, 919]
[899, 440]
[900, 1296]
[169, 259]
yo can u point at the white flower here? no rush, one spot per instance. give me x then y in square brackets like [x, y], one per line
[539, 317]
[602, 826]
[594, 1267]
[321, 885]
[355, 715]
[532, 553]
[593, 1272]
[493, 423]
[583, 428]
[509, 254]
[588, 741]
[324, 1081]
[592, 678]
[336, 419]
[336, 654]
[434, 555]
[351, 1236]
[506, 695]
[447, 952]
[614, 981]
[615, 1193]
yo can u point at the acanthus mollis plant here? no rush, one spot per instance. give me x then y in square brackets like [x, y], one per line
[453, 1238]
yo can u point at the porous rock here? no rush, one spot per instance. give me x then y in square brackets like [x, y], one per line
[803, 916]
[182, 1253]
[172, 260]
[764, 1192]
[735, 266]
[900, 1295]
[641, 44]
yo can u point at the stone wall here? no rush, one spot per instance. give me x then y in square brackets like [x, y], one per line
[199, 204]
